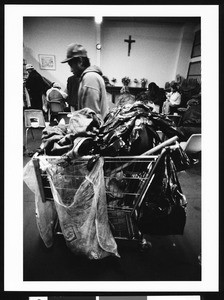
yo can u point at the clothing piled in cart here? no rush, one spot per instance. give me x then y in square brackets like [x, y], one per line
[129, 129]
[87, 195]
[82, 129]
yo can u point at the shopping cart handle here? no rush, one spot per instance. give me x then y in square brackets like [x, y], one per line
[162, 145]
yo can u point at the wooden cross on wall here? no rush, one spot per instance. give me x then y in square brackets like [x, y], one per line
[129, 41]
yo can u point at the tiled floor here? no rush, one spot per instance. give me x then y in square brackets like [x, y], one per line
[170, 258]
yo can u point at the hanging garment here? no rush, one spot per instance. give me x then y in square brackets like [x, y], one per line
[46, 214]
[26, 98]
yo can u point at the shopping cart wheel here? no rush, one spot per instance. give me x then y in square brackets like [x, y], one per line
[144, 245]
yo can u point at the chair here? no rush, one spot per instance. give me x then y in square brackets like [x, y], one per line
[193, 144]
[33, 118]
[176, 118]
[64, 115]
[55, 107]
[174, 109]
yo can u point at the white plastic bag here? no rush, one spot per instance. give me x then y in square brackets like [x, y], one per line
[80, 200]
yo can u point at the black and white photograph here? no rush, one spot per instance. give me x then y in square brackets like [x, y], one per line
[114, 173]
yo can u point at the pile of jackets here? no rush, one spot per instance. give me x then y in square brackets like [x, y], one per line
[132, 130]
[129, 129]
[60, 139]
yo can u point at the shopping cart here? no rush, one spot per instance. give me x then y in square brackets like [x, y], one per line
[131, 183]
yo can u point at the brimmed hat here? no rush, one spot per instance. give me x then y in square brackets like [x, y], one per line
[75, 50]
[29, 66]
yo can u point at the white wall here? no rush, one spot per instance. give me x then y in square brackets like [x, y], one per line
[153, 55]
[51, 36]
[161, 50]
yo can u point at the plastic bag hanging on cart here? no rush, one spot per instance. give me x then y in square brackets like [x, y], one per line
[161, 210]
[80, 201]
[46, 214]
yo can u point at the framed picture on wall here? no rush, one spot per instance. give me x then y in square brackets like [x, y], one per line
[47, 62]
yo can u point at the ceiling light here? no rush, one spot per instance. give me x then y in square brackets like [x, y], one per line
[98, 19]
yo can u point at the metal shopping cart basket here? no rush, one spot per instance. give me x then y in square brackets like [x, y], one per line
[143, 192]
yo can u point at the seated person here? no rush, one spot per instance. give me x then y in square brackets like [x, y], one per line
[144, 97]
[191, 120]
[173, 100]
[56, 101]
[153, 97]
[189, 88]
[156, 95]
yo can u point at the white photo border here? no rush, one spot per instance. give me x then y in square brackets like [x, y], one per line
[13, 209]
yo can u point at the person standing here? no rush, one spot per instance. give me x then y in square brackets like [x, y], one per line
[92, 91]
[72, 91]
[36, 87]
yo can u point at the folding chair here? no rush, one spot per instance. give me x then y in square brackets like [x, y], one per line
[193, 144]
[64, 115]
[55, 107]
[33, 118]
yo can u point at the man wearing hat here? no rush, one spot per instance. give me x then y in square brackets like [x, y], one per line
[36, 87]
[92, 91]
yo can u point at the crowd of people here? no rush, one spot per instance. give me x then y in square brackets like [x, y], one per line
[87, 88]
